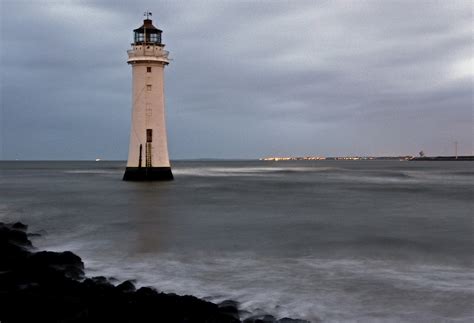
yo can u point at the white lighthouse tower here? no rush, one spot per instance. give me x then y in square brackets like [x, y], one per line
[148, 151]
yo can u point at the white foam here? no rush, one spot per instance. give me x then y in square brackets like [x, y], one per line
[309, 288]
[92, 171]
[239, 171]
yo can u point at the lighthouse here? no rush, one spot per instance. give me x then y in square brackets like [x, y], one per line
[148, 149]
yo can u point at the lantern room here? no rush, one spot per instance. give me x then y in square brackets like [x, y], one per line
[147, 34]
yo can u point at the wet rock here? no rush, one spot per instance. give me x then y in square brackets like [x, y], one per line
[126, 287]
[229, 307]
[10, 237]
[100, 280]
[289, 320]
[98, 285]
[20, 226]
[14, 246]
[261, 319]
[271, 319]
[65, 263]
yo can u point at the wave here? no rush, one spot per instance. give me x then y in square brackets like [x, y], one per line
[333, 174]
[402, 177]
[330, 173]
[251, 171]
[93, 171]
[309, 288]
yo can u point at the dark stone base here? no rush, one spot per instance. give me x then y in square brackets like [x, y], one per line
[148, 174]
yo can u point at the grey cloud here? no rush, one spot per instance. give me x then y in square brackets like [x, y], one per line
[248, 78]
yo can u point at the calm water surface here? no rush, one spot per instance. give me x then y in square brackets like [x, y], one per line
[328, 240]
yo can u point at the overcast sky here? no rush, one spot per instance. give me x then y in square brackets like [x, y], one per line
[248, 78]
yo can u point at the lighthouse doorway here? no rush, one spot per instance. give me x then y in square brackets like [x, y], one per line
[149, 139]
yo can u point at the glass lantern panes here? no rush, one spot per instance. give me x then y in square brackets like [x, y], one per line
[139, 37]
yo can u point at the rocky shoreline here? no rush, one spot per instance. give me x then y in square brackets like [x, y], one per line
[45, 286]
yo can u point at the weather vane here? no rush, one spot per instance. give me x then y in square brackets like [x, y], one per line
[147, 14]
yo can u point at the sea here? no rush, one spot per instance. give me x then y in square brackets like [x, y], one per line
[325, 241]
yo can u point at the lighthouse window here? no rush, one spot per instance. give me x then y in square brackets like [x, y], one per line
[139, 37]
[148, 87]
[148, 69]
[154, 38]
[149, 135]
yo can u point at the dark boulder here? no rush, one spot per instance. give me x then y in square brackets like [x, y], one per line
[261, 319]
[20, 226]
[229, 307]
[271, 319]
[14, 247]
[289, 320]
[65, 263]
[10, 237]
[126, 287]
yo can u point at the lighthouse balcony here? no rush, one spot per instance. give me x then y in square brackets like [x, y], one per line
[149, 53]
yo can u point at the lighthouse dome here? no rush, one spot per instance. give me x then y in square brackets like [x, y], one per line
[147, 33]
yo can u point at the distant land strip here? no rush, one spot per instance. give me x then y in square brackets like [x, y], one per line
[409, 158]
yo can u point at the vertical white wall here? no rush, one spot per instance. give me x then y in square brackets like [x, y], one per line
[148, 112]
